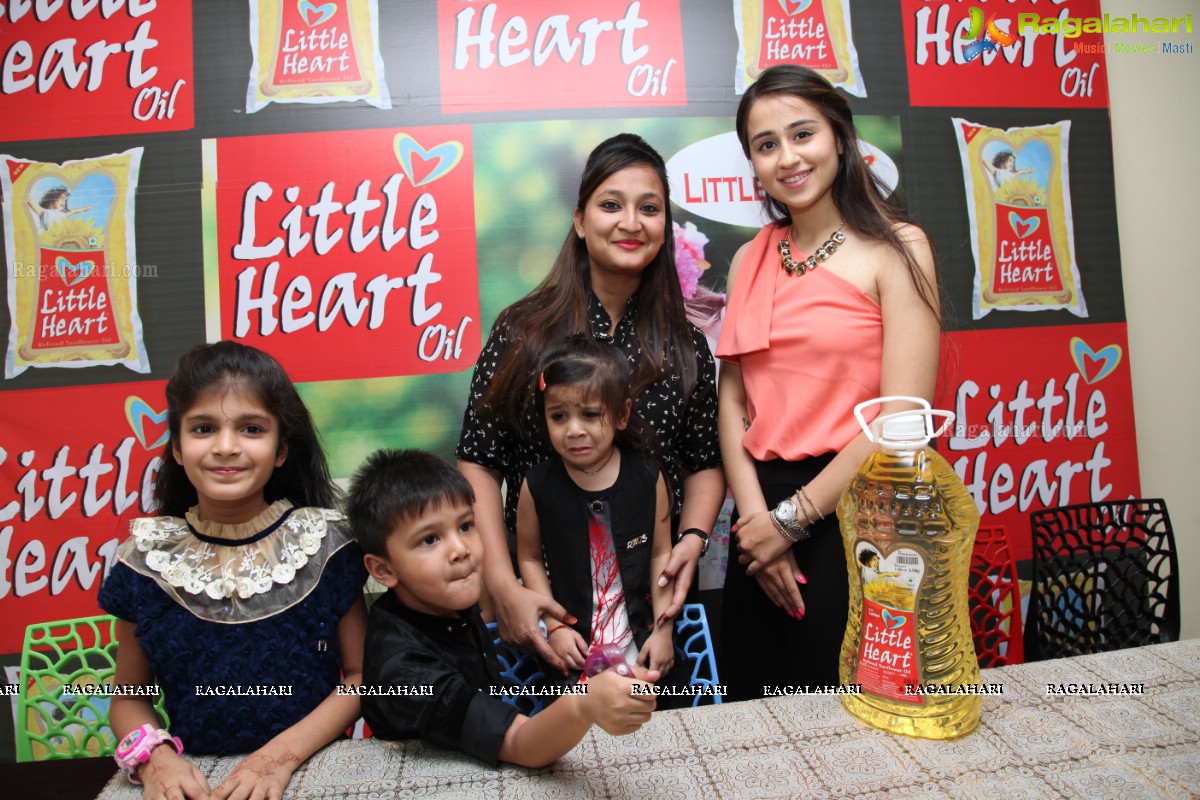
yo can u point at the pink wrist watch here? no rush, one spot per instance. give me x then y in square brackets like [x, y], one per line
[134, 750]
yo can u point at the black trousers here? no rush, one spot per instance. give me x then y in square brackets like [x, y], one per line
[760, 644]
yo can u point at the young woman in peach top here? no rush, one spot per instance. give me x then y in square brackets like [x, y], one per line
[805, 339]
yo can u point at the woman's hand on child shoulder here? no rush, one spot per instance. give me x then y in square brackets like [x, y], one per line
[170, 776]
[618, 704]
[261, 776]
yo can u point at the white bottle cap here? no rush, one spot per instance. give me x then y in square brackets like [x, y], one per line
[906, 429]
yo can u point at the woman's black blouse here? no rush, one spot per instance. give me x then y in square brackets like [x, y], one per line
[686, 427]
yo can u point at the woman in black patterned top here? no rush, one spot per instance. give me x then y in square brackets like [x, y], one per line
[613, 279]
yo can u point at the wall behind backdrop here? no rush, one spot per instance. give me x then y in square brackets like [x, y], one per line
[359, 188]
[1157, 207]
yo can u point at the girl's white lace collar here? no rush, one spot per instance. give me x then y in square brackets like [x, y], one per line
[237, 573]
[235, 532]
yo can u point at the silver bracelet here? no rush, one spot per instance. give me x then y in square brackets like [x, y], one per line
[804, 494]
[783, 531]
[794, 532]
[804, 508]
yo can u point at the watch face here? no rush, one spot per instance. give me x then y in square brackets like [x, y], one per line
[786, 511]
[130, 741]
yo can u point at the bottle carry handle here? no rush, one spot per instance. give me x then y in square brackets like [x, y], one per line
[926, 410]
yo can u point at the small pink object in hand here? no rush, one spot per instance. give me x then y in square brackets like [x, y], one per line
[604, 656]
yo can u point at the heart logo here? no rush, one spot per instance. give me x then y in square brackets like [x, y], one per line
[429, 164]
[893, 621]
[1094, 365]
[1023, 227]
[72, 274]
[314, 15]
[148, 425]
[794, 7]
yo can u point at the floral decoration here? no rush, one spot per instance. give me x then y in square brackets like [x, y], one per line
[689, 257]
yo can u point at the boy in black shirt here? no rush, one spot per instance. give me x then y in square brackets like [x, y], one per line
[428, 662]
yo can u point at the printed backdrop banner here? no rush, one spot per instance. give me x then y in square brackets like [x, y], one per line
[1004, 54]
[72, 266]
[75, 69]
[1022, 225]
[362, 251]
[68, 491]
[815, 33]
[315, 53]
[369, 232]
[528, 54]
[1043, 418]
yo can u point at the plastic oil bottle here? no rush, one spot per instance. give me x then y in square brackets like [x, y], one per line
[909, 525]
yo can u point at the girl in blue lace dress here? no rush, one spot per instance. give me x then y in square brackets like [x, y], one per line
[243, 599]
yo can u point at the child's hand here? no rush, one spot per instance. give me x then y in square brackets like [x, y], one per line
[659, 650]
[614, 703]
[262, 775]
[568, 645]
[170, 776]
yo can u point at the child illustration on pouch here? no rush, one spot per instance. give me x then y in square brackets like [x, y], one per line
[1002, 167]
[243, 599]
[53, 207]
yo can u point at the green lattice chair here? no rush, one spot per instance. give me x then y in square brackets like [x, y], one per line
[57, 719]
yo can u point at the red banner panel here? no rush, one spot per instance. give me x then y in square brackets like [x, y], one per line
[590, 54]
[348, 254]
[70, 481]
[1017, 54]
[76, 68]
[1044, 418]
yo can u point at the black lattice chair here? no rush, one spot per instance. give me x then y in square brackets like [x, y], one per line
[1105, 577]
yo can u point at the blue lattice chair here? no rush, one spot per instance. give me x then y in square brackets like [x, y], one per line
[520, 669]
[691, 636]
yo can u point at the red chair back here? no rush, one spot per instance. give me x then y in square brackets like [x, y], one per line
[994, 600]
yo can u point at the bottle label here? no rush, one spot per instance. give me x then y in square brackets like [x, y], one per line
[887, 655]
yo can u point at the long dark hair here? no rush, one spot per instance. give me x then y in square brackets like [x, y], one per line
[860, 197]
[559, 304]
[304, 476]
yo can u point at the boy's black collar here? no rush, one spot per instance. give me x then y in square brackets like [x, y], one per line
[429, 622]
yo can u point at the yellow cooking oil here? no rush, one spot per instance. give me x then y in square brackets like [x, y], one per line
[909, 525]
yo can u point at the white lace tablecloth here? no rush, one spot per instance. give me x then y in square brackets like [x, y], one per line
[1028, 745]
